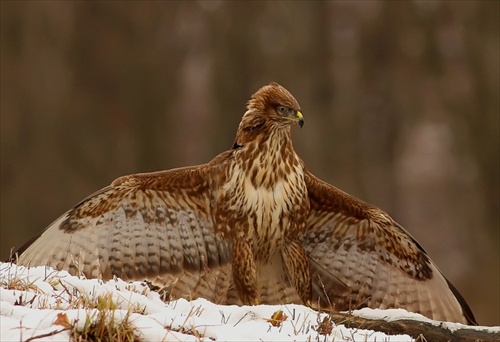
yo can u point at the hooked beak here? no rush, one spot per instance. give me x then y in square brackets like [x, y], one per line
[300, 119]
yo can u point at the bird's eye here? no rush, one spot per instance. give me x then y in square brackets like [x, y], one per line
[283, 110]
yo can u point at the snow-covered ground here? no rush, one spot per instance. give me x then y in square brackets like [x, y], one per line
[53, 305]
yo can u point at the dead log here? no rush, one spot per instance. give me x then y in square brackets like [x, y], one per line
[420, 330]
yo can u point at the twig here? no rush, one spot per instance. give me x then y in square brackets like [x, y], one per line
[47, 334]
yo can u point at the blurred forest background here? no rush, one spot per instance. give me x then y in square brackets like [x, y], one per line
[401, 106]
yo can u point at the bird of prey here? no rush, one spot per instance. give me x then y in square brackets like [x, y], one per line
[251, 226]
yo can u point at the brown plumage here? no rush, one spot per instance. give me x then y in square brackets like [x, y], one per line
[251, 226]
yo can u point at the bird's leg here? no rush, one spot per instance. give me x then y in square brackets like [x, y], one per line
[245, 272]
[298, 269]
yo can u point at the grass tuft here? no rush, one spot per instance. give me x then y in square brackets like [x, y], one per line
[101, 324]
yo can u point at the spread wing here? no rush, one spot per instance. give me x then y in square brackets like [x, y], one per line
[156, 226]
[380, 261]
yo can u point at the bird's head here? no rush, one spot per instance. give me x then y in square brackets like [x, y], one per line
[276, 105]
[272, 108]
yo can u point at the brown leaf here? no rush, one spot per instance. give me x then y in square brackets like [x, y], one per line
[326, 326]
[277, 318]
[62, 320]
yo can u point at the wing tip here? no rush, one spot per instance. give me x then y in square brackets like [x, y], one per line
[466, 310]
[14, 256]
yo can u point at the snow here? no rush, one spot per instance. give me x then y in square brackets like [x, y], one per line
[33, 299]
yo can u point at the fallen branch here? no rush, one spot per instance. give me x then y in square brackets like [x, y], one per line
[420, 330]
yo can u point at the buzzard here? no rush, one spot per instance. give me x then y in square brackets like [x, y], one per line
[252, 226]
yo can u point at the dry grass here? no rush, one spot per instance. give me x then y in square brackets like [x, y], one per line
[103, 325]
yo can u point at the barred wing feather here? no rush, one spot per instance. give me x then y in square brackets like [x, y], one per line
[381, 262]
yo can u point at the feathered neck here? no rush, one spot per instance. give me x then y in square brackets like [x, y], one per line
[265, 151]
[257, 130]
